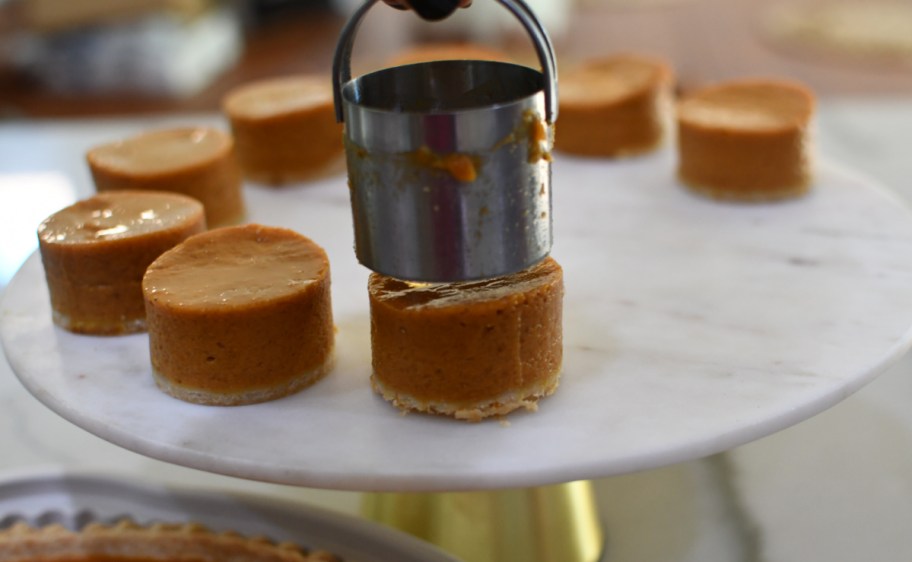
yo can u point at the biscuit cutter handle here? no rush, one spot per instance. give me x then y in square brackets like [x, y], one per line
[544, 49]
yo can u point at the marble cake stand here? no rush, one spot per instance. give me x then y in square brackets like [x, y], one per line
[691, 327]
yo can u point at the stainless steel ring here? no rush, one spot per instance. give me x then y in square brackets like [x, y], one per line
[449, 161]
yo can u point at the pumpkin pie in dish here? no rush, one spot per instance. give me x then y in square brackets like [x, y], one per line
[128, 542]
[96, 251]
[470, 349]
[239, 315]
[195, 161]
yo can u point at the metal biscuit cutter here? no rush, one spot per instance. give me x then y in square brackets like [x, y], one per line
[449, 161]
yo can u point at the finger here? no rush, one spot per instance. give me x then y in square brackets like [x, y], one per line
[406, 5]
[433, 10]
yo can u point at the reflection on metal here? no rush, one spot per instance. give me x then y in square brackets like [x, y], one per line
[449, 161]
[543, 524]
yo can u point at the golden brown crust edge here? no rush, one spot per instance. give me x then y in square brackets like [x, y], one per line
[496, 407]
[125, 540]
[758, 195]
[210, 398]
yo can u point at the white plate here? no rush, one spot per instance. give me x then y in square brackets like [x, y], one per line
[74, 500]
[690, 327]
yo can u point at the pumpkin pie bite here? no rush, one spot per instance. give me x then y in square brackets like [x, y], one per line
[239, 315]
[746, 140]
[614, 106]
[126, 541]
[285, 129]
[96, 251]
[197, 161]
[469, 349]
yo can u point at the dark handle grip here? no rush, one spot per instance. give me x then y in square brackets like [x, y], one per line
[433, 10]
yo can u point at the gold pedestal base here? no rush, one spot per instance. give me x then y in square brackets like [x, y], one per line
[544, 524]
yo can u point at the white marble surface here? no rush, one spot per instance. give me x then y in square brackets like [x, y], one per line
[833, 488]
[690, 327]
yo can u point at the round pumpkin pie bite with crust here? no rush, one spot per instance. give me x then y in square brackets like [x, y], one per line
[747, 140]
[96, 251]
[285, 128]
[196, 161]
[470, 349]
[614, 106]
[126, 541]
[239, 315]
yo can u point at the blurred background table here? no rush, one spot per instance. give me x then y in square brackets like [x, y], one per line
[839, 47]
